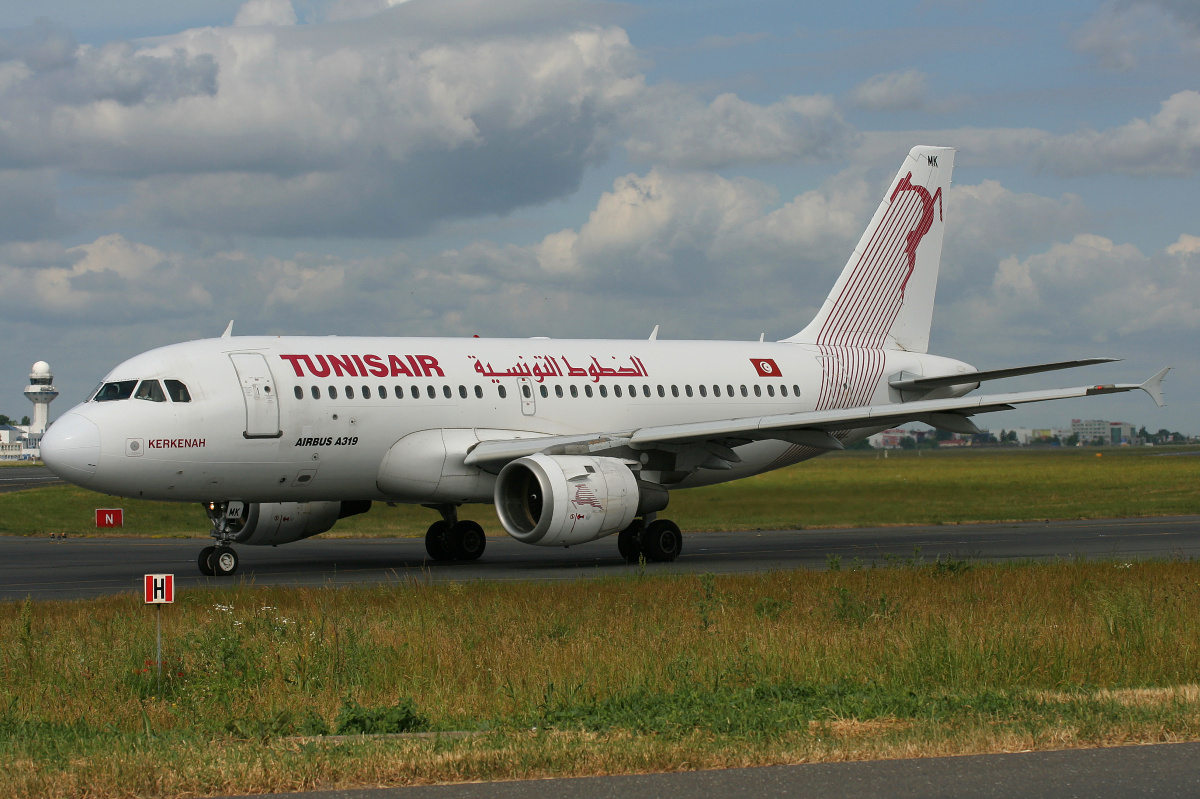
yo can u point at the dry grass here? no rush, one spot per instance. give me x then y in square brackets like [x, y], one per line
[597, 677]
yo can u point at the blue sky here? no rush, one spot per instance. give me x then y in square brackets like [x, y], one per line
[450, 167]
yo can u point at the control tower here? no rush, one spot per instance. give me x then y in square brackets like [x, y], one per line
[40, 392]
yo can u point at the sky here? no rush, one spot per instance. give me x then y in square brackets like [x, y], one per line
[593, 169]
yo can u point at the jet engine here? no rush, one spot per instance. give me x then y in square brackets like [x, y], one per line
[560, 500]
[272, 523]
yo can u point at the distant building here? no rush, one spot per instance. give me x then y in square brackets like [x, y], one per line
[1091, 431]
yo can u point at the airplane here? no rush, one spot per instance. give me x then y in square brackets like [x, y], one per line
[573, 440]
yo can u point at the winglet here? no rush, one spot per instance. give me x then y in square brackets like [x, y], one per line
[228, 330]
[1154, 387]
[654, 334]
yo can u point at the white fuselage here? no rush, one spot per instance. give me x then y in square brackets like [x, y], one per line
[319, 423]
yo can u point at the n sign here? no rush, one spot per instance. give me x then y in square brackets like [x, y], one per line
[110, 517]
[160, 589]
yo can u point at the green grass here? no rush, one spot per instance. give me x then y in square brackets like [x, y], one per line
[609, 676]
[841, 490]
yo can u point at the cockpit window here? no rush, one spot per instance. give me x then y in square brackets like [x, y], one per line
[150, 390]
[120, 390]
[177, 391]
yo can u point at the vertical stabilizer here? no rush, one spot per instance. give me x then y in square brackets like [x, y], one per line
[884, 297]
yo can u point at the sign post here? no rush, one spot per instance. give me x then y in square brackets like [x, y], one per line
[160, 590]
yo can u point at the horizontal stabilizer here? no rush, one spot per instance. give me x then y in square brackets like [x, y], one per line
[963, 378]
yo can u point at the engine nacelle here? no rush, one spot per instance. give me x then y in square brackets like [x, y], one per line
[559, 500]
[272, 523]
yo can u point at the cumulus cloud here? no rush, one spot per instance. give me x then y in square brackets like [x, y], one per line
[671, 126]
[265, 12]
[109, 281]
[892, 91]
[451, 108]
[1122, 35]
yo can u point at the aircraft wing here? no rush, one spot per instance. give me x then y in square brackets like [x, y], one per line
[812, 428]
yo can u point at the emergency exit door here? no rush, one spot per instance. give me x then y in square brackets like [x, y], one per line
[258, 392]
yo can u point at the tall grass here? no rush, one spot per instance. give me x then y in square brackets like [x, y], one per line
[930, 488]
[608, 675]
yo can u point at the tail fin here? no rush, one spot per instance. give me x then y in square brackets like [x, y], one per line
[884, 297]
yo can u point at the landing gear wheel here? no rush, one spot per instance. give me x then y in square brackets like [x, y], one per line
[629, 541]
[223, 561]
[435, 541]
[466, 540]
[202, 561]
[662, 540]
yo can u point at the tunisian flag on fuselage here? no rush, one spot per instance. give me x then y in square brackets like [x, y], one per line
[766, 367]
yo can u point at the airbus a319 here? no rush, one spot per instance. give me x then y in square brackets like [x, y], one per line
[573, 440]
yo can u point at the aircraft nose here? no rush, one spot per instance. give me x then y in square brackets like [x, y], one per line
[71, 448]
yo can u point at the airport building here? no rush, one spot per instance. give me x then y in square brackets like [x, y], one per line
[1091, 431]
[18, 442]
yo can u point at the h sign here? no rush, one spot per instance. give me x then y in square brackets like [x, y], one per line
[160, 589]
[110, 517]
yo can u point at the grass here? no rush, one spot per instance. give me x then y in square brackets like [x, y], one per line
[930, 488]
[611, 676]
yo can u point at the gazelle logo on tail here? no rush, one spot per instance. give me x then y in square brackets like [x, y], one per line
[926, 222]
[884, 297]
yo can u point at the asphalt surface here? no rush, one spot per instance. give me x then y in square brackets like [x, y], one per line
[1164, 770]
[19, 478]
[85, 567]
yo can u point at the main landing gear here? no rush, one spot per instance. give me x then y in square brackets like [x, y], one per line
[656, 539]
[451, 539]
[221, 560]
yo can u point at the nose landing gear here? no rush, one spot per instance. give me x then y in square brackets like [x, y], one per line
[228, 519]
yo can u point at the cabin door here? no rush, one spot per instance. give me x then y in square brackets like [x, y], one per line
[258, 392]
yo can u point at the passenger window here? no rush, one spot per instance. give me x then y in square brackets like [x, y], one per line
[574, 391]
[744, 394]
[416, 392]
[616, 391]
[431, 391]
[462, 392]
[757, 390]
[177, 391]
[316, 392]
[333, 392]
[587, 390]
[688, 390]
[502, 392]
[661, 392]
[703, 390]
[558, 391]
[121, 390]
[525, 390]
[770, 391]
[150, 390]
[716, 391]
[674, 391]
[632, 391]
[349, 392]
[796, 390]
[382, 392]
[604, 391]
[645, 390]
[299, 392]
[545, 392]
[399, 392]
[366, 392]
[783, 391]
[729, 390]
[478, 392]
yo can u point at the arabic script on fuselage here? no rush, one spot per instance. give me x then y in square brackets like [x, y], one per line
[540, 367]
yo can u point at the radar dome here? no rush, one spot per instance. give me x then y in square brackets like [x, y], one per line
[41, 369]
